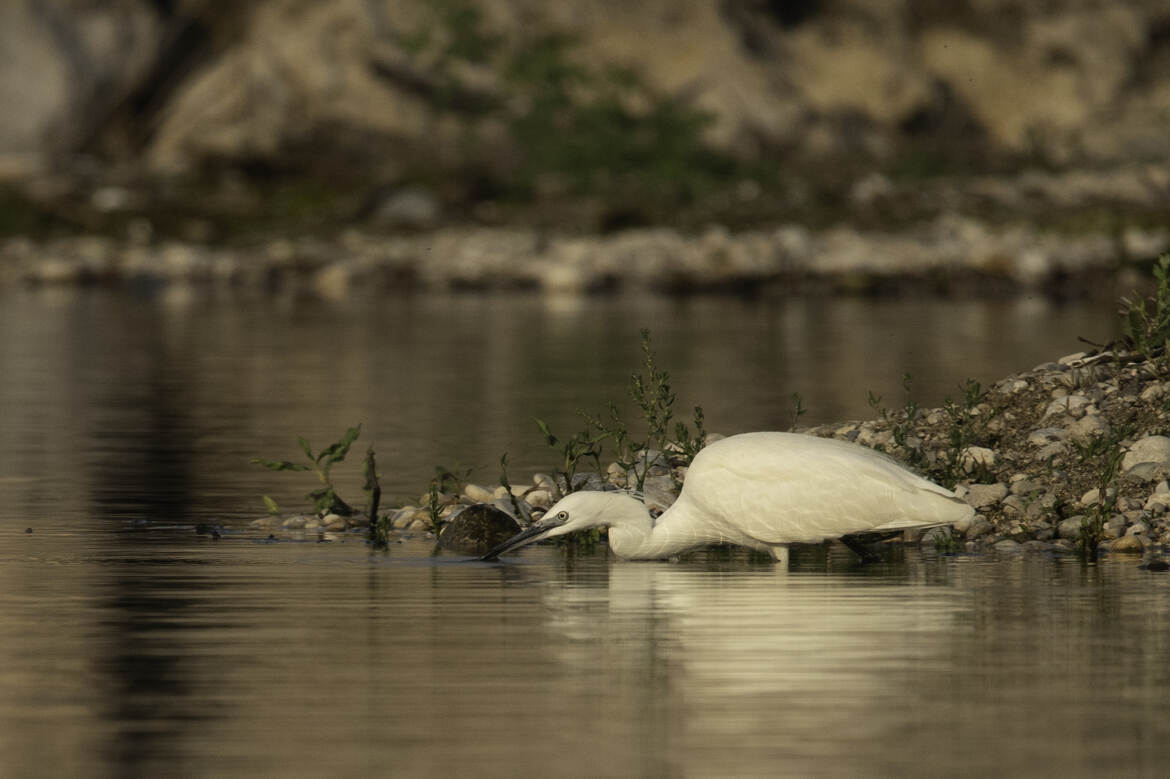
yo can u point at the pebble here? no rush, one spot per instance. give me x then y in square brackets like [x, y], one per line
[1151, 449]
[1088, 428]
[1022, 485]
[1072, 405]
[478, 494]
[975, 457]
[982, 495]
[1127, 544]
[1093, 496]
[979, 526]
[1070, 528]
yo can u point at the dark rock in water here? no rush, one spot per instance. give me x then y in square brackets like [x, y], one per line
[475, 529]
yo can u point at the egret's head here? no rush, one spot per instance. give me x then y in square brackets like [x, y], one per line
[578, 511]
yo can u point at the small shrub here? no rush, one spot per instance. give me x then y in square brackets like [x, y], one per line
[325, 499]
[1147, 320]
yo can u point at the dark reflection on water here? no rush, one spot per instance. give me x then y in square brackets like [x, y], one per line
[130, 646]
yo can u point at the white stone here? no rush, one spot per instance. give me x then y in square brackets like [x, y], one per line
[1151, 449]
[1073, 406]
[1088, 427]
[1093, 496]
[541, 499]
[974, 457]
[478, 493]
[1153, 392]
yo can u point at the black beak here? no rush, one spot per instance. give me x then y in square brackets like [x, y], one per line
[534, 533]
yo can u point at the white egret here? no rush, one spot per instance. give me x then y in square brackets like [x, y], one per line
[763, 491]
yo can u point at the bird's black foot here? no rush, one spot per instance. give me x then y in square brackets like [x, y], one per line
[859, 549]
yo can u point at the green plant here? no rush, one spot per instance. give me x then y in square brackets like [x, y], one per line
[1105, 454]
[325, 498]
[446, 480]
[797, 409]
[966, 426]
[434, 507]
[901, 423]
[1147, 320]
[578, 447]
[379, 528]
[507, 485]
[687, 444]
[652, 394]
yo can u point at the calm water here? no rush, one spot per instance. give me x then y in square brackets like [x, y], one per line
[130, 646]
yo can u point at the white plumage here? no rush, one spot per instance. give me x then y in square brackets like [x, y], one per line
[763, 491]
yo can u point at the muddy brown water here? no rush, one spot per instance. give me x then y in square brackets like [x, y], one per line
[132, 646]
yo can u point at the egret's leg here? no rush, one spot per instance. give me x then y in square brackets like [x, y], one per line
[780, 554]
[866, 555]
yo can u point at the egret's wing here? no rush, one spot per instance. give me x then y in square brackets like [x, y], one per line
[783, 488]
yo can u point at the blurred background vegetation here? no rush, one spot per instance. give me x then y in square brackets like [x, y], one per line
[211, 120]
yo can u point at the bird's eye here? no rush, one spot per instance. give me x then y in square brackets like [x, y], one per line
[562, 515]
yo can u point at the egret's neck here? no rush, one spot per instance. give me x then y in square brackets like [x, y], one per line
[634, 535]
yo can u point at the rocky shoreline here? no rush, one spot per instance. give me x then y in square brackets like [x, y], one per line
[952, 253]
[1070, 456]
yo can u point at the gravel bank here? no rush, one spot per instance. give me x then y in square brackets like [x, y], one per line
[949, 253]
[1071, 452]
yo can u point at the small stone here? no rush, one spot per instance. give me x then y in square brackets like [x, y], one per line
[1088, 428]
[1044, 533]
[1024, 485]
[475, 529]
[1153, 392]
[1138, 529]
[1014, 505]
[294, 523]
[1151, 449]
[264, 523]
[1127, 544]
[1050, 452]
[979, 526]
[1007, 546]
[545, 482]
[539, 499]
[1158, 502]
[478, 493]
[402, 519]
[974, 457]
[1046, 435]
[334, 522]
[1070, 528]
[1093, 496]
[1073, 406]
[983, 495]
